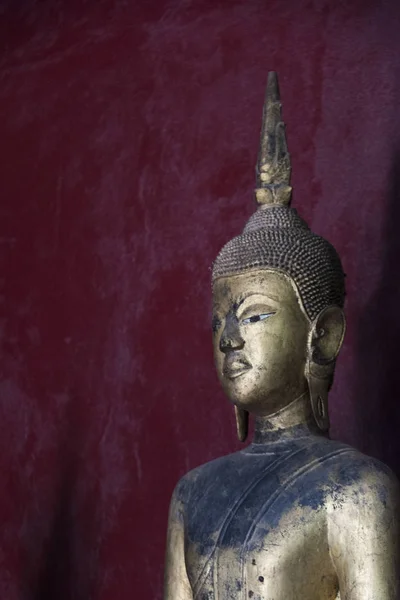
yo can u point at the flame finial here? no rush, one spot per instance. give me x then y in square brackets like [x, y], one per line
[273, 167]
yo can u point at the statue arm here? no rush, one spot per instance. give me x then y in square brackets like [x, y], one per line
[363, 530]
[176, 582]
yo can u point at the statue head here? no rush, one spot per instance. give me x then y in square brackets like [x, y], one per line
[278, 294]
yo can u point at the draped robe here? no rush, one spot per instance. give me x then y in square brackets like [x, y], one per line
[255, 522]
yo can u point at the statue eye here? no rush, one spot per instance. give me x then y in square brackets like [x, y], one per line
[256, 318]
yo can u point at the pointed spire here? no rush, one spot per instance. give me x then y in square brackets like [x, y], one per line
[273, 167]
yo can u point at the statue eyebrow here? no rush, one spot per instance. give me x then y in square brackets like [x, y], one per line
[240, 302]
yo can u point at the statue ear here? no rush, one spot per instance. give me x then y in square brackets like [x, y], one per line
[327, 335]
[325, 340]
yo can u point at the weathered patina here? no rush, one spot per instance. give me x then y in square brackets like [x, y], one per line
[295, 515]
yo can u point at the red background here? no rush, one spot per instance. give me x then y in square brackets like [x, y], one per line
[129, 134]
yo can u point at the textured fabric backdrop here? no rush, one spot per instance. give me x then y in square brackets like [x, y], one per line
[129, 135]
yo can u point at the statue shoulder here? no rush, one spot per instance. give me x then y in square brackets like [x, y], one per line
[199, 476]
[362, 480]
[362, 527]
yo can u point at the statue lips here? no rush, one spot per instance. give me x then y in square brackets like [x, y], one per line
[235, 365]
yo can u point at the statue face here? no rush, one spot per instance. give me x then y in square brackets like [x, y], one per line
[260, 335]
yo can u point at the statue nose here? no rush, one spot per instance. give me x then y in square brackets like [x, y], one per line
[231, 338]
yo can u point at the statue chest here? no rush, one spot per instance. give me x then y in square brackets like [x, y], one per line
[255, 526]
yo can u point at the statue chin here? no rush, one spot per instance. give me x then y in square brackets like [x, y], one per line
[256, 403]
[261, 397]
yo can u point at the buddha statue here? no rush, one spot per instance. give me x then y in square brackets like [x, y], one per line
[294, 515]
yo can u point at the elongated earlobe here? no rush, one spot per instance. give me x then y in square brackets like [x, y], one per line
[319, 389]
[242, 423]
[325, 341]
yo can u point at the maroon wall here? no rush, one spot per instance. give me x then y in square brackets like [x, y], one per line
[128, 142]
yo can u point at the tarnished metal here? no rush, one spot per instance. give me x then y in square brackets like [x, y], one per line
[273, 167]
[294, 515]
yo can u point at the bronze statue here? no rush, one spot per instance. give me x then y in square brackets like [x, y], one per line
[294, 515]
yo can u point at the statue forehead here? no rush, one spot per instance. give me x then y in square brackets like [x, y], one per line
[278, 286]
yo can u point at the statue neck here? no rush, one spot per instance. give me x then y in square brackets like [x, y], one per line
[293, 421]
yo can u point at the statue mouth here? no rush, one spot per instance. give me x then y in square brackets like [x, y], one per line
[235, 367]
